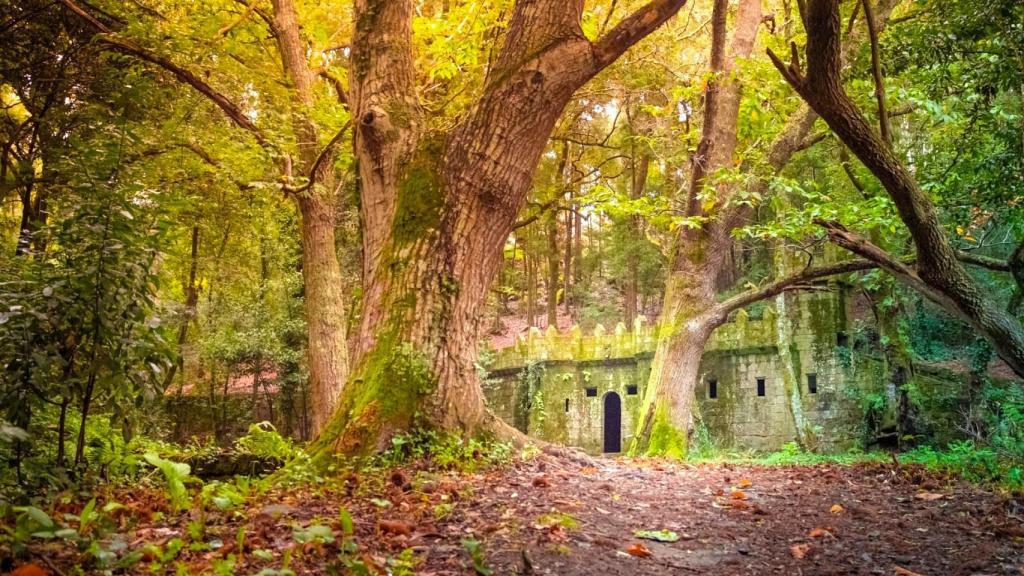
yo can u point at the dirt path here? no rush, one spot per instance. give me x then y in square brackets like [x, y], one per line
[553, 516]
[737, 520]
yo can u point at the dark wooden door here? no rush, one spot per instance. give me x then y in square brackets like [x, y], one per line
[612, 423]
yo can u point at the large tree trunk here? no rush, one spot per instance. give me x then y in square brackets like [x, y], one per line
[437, 211]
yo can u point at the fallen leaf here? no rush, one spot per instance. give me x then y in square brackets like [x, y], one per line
[799, 550]
[29, 570]
[658, 535]
[541, 482]
[836, 509]
[744, 483]
[904, 572]
[929, 496]
[395, 527]
[639, 550]
[821, 532]
[739, 495]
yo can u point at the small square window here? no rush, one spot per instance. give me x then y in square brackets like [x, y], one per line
[842, 340]
[631, 390]
[760, 386]
[812, 383]
[712, 389]
[591, 392]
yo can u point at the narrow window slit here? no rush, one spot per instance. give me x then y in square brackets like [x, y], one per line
[712, 388]
[760, 386]
[566, 404]
[812, 383]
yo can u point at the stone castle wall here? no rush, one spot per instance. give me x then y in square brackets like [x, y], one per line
[552, 385]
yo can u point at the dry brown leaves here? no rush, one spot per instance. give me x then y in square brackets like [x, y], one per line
[639, 550]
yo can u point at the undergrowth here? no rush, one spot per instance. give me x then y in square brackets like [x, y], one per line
[962, 459]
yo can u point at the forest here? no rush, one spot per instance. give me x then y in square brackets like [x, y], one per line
[448, 287]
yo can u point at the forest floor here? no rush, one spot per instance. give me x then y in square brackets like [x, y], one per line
[549, 515]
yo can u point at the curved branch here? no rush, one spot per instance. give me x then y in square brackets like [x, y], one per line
[795, 282]
[230, 109]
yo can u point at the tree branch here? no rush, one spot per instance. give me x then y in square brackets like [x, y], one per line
[230, 109]
[876, 72]
[317, 164]
[793, 282]
[632, 29]
[536, 216]
[852, 242]
[984, 261]
[339, 87]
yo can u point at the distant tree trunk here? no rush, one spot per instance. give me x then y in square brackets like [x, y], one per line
[577, 229]
[636, 190]
[567, 261]
[437, 209]
[189, 313]
[552, 280]
[531, 290]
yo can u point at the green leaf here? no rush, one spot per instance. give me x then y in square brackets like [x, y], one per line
[658, 535]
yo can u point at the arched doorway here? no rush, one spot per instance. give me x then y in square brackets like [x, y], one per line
[612, 423]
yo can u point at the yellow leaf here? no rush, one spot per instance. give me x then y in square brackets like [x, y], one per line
[836, 509]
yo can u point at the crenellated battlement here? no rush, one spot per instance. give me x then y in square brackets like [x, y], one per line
[741, 332]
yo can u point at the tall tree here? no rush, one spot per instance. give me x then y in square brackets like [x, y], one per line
[437, 206]
[717, 206]
[307, 168]
[938, 274]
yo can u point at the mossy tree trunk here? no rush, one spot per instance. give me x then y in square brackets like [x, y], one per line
[438, 207]
[687, 320]
[685, 325]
